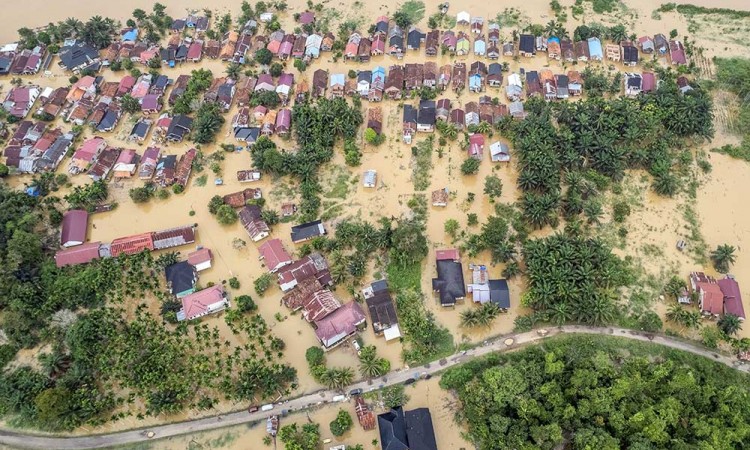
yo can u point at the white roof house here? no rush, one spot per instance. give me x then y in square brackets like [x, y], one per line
[499, 152]
[266, 17]
[370, 178]
[463, 18]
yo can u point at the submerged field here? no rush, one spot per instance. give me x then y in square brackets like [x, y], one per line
[705, 210]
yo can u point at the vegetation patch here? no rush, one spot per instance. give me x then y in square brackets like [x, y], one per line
[422, 164]
[579, 391]
[316, 129]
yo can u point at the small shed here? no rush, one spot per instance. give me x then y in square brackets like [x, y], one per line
[370, 179]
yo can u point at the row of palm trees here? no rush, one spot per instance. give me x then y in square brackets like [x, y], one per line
[480, 317]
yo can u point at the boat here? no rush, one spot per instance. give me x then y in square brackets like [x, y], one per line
[248, 176]
[272, 425]
[104, 208]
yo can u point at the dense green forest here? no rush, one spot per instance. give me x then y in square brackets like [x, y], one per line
[105, 349]
[601, 393]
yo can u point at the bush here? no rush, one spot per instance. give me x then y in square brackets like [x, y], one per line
[178, 188]
[234, 283]
[620, 211]
[162, 194]
[264, 56]
[315, 356]
[141, 194]
[215, 203]
[4, 171]
[470, 166]
[342, 423]
[352, 73]
[262, 283]
[493, 187]
[472, 219]
[276, 69]
[373, 138]
[226, 215]
[245, 303]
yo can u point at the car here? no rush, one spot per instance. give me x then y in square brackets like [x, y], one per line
[409, 381]
[355, 392]
[356, 345]
[253, 408]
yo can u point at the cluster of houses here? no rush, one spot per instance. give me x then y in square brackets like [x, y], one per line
[34, 147]
[305, 284]
[14, 61]
[714, 297]
[77, 251]
[98, 160]
[450, 287]
[249, 123]
[181, 280]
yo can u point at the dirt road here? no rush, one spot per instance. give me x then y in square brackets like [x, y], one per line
[504, 343]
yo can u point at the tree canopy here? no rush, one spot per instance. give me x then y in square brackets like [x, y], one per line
[601, 393]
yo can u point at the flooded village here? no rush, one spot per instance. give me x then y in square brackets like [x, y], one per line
[171, 122]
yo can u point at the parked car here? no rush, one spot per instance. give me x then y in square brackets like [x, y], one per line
[253, 408]
[355, 392]
[409, 381]
[267, 407]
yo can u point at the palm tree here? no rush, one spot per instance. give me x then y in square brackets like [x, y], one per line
[484, 127]
[233, 71]
[470, 318]
[559, 314]
[723, 257]
[730, 324]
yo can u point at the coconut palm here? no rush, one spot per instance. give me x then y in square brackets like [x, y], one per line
[233, 71]
[723, 257]
[730, 324]
[470, 318]
[559, 314]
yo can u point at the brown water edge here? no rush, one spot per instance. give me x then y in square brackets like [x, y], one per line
[36, 13]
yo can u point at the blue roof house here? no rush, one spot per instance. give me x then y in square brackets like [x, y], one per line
[595, 49]
[480, 47]
[378, 77]
[130, 35]
[475, 83]
[337, 79]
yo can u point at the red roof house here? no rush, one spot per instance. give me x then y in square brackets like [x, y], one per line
[340, 324]
[710, 297]
[274, 254]
[74, 226]
[732, 297]
[447, 255]
[313, 265]
[131, 245]
[476, 146]
[319, 305]
[201, 303]
[80, 254]
[200, 259]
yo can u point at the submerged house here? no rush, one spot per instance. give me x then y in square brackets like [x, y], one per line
[274, 254]
[401, 430]
[449, 283]
[339, 325]
[208, 301]
[181, 278]
[382, 310]
[74, 227]
[307, 231]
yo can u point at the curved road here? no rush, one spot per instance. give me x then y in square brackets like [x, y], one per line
[32, 441]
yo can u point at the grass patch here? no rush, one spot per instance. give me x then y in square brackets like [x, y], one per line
[735, 151]
[422, 164]
[696, 243]
[692, 10]
[201, 180]
[338, 183]
[509, 17]
[414, 10]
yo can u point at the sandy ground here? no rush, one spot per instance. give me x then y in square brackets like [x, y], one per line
[655, 224]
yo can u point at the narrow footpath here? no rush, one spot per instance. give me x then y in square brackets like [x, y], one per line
[504, 343]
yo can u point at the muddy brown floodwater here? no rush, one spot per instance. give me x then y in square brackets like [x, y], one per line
[657, 223]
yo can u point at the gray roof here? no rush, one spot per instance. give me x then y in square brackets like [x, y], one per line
[499, 293]
[77, 55]
[180, 276]
[449, 282]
